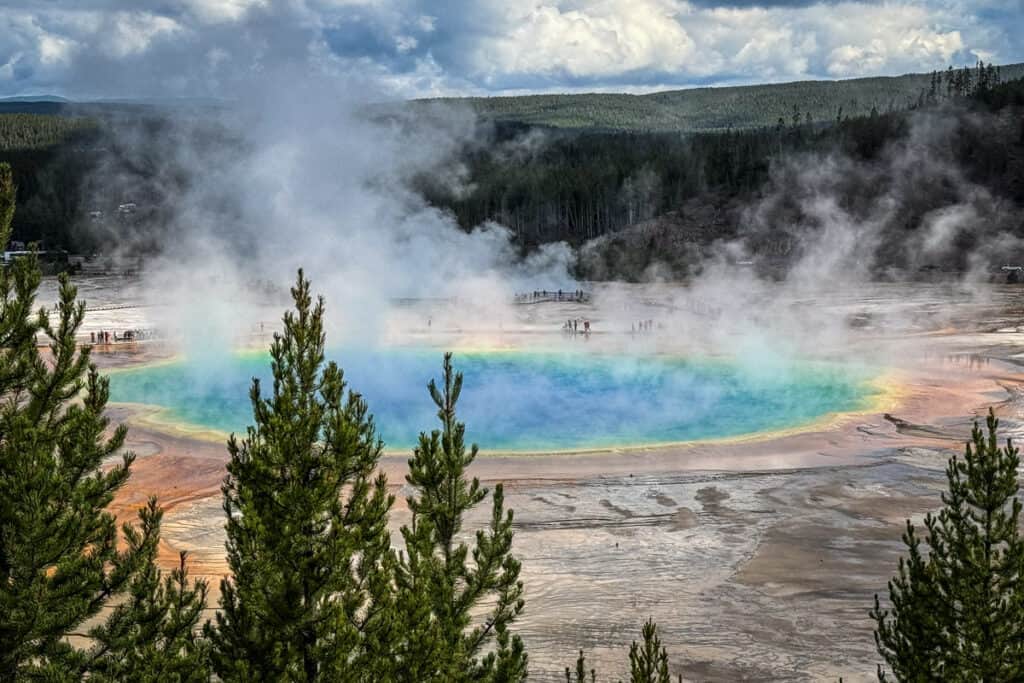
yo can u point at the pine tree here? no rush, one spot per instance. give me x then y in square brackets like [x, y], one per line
[308, 544]
[648, 661]
[451, 635]
[151, 637]
[59, 559]
[8, 198]
[18, 285]
[581, 671]
[955, 614]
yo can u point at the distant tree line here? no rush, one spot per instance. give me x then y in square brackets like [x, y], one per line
[25, 131]
[544, 183]
[97, 181]
[50, 158]
[698, 110]
[963, 82]
[577, 186]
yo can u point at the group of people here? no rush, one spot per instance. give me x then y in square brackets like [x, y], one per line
[106, 337]
[578, 296]
[572, 326]
[643, 326]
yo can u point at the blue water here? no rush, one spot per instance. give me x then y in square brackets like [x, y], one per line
[524, 400]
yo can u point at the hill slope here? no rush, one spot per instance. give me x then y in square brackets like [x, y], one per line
[709, 109]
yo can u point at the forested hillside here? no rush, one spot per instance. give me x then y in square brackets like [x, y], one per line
[679, 194]
[39, 131]
[712, 109]
[105, 177]
[50, 154]
[76, 165]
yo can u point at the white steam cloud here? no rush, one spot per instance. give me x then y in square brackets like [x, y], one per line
[315, 178]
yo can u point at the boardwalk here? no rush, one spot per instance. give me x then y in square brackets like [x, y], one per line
[545, 296]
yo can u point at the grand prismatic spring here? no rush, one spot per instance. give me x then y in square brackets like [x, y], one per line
[546, 401]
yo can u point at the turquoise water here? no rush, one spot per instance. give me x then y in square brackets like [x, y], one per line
[524, 400]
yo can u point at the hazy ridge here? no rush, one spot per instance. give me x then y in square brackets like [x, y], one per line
[712, 108]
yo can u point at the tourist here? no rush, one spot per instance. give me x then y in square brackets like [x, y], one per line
[92, 337]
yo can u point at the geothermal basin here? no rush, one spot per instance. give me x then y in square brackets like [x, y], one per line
[526, 401]
[757, 542]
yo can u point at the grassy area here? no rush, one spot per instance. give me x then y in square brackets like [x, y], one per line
[709, 109]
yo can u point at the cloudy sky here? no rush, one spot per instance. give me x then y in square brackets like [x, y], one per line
[199, 48]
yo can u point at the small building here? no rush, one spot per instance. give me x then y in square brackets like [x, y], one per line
[12, 255]
[52, 261]
[1014, 274]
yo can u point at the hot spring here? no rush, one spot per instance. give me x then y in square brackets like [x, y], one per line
[526, 400]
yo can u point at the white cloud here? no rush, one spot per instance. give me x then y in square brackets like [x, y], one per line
[217, 11]
[427, 23]
[897, 37]
[761, 43]
[7, 68]
[132, 32]
[853, 60]
[54, 49]
[607, 37]
[591, 40]
[406, 43]
[836, 40]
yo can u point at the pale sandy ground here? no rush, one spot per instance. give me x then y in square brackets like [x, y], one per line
[758, 558]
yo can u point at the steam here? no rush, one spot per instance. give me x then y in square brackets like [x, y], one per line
[318, 177]
[312, 171]
[807, 273]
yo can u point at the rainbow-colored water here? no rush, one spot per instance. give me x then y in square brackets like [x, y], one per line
[527, 401]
